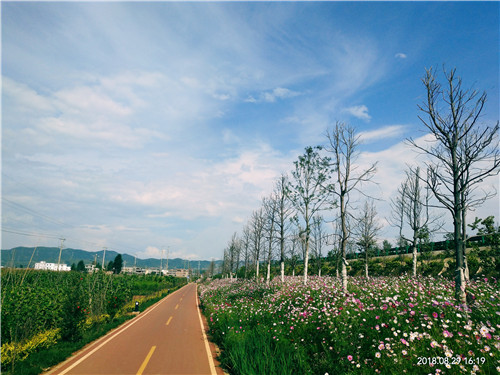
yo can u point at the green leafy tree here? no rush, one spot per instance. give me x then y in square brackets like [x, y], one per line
[309, 191]
[80, 267]
[110, 266]
[118, 264]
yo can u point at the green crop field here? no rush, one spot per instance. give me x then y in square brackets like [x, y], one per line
[47, 315]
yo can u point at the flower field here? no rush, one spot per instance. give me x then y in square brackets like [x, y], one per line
[385, 325]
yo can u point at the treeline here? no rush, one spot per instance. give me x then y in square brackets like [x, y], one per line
[114, 266]
[435, 259]
[328, 184]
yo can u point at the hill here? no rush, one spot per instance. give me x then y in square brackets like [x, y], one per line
[20, 257]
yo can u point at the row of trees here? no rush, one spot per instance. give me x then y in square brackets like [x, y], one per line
[461, 152]
[114, 266]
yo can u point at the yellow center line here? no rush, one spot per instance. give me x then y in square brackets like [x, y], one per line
[145, 363]
[176, 306]
[169, 319]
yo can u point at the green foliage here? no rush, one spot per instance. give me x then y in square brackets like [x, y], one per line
[73, 313]
[118, 264]
[80, 267]
[73, 303]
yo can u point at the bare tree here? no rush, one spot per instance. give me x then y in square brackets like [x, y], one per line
[463, 154]
[319, 239]
[367, 230]
[293, 251]
[397, 218]
[234, 249]
[343, 144]
[414, 203]
[270, 206]
[245, 244]
[309, 191]
[257, 228]
[285, 211]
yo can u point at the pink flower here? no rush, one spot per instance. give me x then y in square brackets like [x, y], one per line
[447, 333]
[435, 315]
[349, 357]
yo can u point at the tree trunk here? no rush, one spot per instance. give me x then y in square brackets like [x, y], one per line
[414, 252]
[344, 275]
[338, 264]
[282, 271]
[268, 277]
[366, 263]
[460, 282]
[306, 261]
[414, 261]
[464, 239]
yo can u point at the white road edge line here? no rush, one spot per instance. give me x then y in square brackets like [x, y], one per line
[113, 336]
[207, 346]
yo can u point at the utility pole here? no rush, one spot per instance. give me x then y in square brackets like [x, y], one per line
[168, 252]
[60, 251]
[103, 260]
[161, 262]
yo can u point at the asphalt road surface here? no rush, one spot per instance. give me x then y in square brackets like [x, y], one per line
[168, 338]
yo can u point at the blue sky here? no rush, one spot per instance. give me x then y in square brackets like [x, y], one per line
[142, 126]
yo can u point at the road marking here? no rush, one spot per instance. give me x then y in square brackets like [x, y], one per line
[112, 336]
[169, 319]
[207, 347]
[176, 306]
[145, 363]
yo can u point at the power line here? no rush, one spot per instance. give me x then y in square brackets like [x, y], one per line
[30, 234]
[33, 212]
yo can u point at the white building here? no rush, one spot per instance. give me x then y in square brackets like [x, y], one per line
[177, 272]
[90, 268]
[51, 266]
[133, 270]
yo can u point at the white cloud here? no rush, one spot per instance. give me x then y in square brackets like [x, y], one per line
[400, 55]
[279, 93]
[273, 95]
[359, 111]
[390, 131]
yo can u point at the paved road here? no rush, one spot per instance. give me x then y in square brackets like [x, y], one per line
[166, 339]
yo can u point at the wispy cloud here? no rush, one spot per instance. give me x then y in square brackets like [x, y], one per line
[273, 95]
[386, 132]
[400, 55]
[359, 111]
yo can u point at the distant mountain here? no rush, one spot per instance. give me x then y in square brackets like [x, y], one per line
[20, 257]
